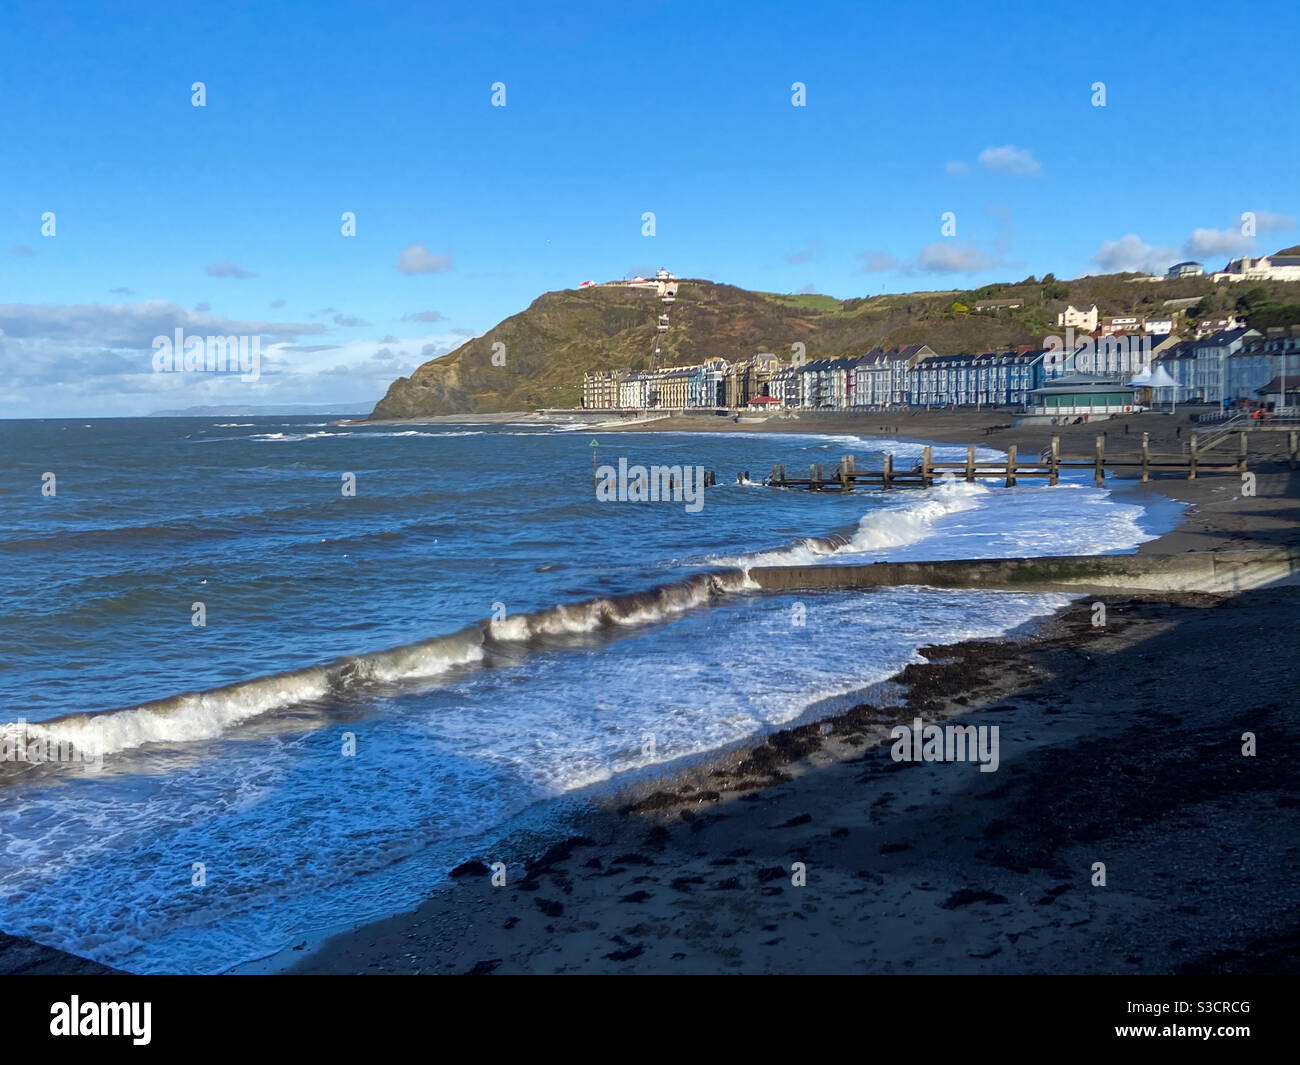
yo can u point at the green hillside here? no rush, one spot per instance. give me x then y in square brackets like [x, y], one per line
[550, 345]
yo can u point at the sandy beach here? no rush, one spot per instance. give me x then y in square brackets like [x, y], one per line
[1120, 745]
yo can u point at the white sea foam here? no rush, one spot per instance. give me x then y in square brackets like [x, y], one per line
[184, 718]
[209, 714]
[879, 528]
[288, 437]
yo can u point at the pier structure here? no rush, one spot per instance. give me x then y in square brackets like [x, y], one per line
[1011, 470]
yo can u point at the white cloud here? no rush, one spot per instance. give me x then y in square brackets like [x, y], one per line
[804, 254]
[951, 257]
[1010, 160]
[877, 261]
[415, 258]
[940, 257]
[229, 269]
[1131, 254]
[1214, 243]
[1268, 222]
[956, 168]
[129, 325]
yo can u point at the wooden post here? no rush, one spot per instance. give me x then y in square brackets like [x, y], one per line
[774, 473]
[783, 473]
[970, 462]
[853, 472]
[927, 459]
[812, 477]
[1011, 466]
[1054, 469]
[1099, 474]
[887, 473]
[1191, 464]
[844, 473]
[1241, 453]
[1146, 457]
[1293, 446]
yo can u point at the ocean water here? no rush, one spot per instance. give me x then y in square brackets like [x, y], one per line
[496, 641]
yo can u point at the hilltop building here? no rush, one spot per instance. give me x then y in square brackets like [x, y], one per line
[1263, 268]
[1084, 318]
[1128, 323]
[1208, 326]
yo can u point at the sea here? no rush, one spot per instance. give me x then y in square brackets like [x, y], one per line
[318, 665]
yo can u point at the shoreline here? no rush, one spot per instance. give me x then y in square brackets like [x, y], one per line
[690, 871]
[581, 920]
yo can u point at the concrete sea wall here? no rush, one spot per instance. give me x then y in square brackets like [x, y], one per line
[1195, 571]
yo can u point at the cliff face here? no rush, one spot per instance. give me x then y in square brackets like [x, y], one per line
[548, 347]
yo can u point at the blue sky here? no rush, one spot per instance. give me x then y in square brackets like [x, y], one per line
[226, 218]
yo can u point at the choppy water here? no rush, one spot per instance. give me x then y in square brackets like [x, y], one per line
[495, 639]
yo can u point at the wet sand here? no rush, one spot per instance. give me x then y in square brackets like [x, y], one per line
[20, 956]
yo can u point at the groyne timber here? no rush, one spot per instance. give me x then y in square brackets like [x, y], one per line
[1217, 572]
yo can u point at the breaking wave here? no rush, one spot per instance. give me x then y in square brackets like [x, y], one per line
[208, 714]
[880, 528]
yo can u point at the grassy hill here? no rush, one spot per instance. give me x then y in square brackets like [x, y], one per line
[562, 334]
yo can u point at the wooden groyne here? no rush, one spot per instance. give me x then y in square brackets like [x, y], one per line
[1048, 464]
[1220, 572]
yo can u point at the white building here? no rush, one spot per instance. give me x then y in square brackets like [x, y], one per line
[1127, 323]
[1263, 268]
[1213, 356]
[635, 391]
[1208, 326]
[1081, 318]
